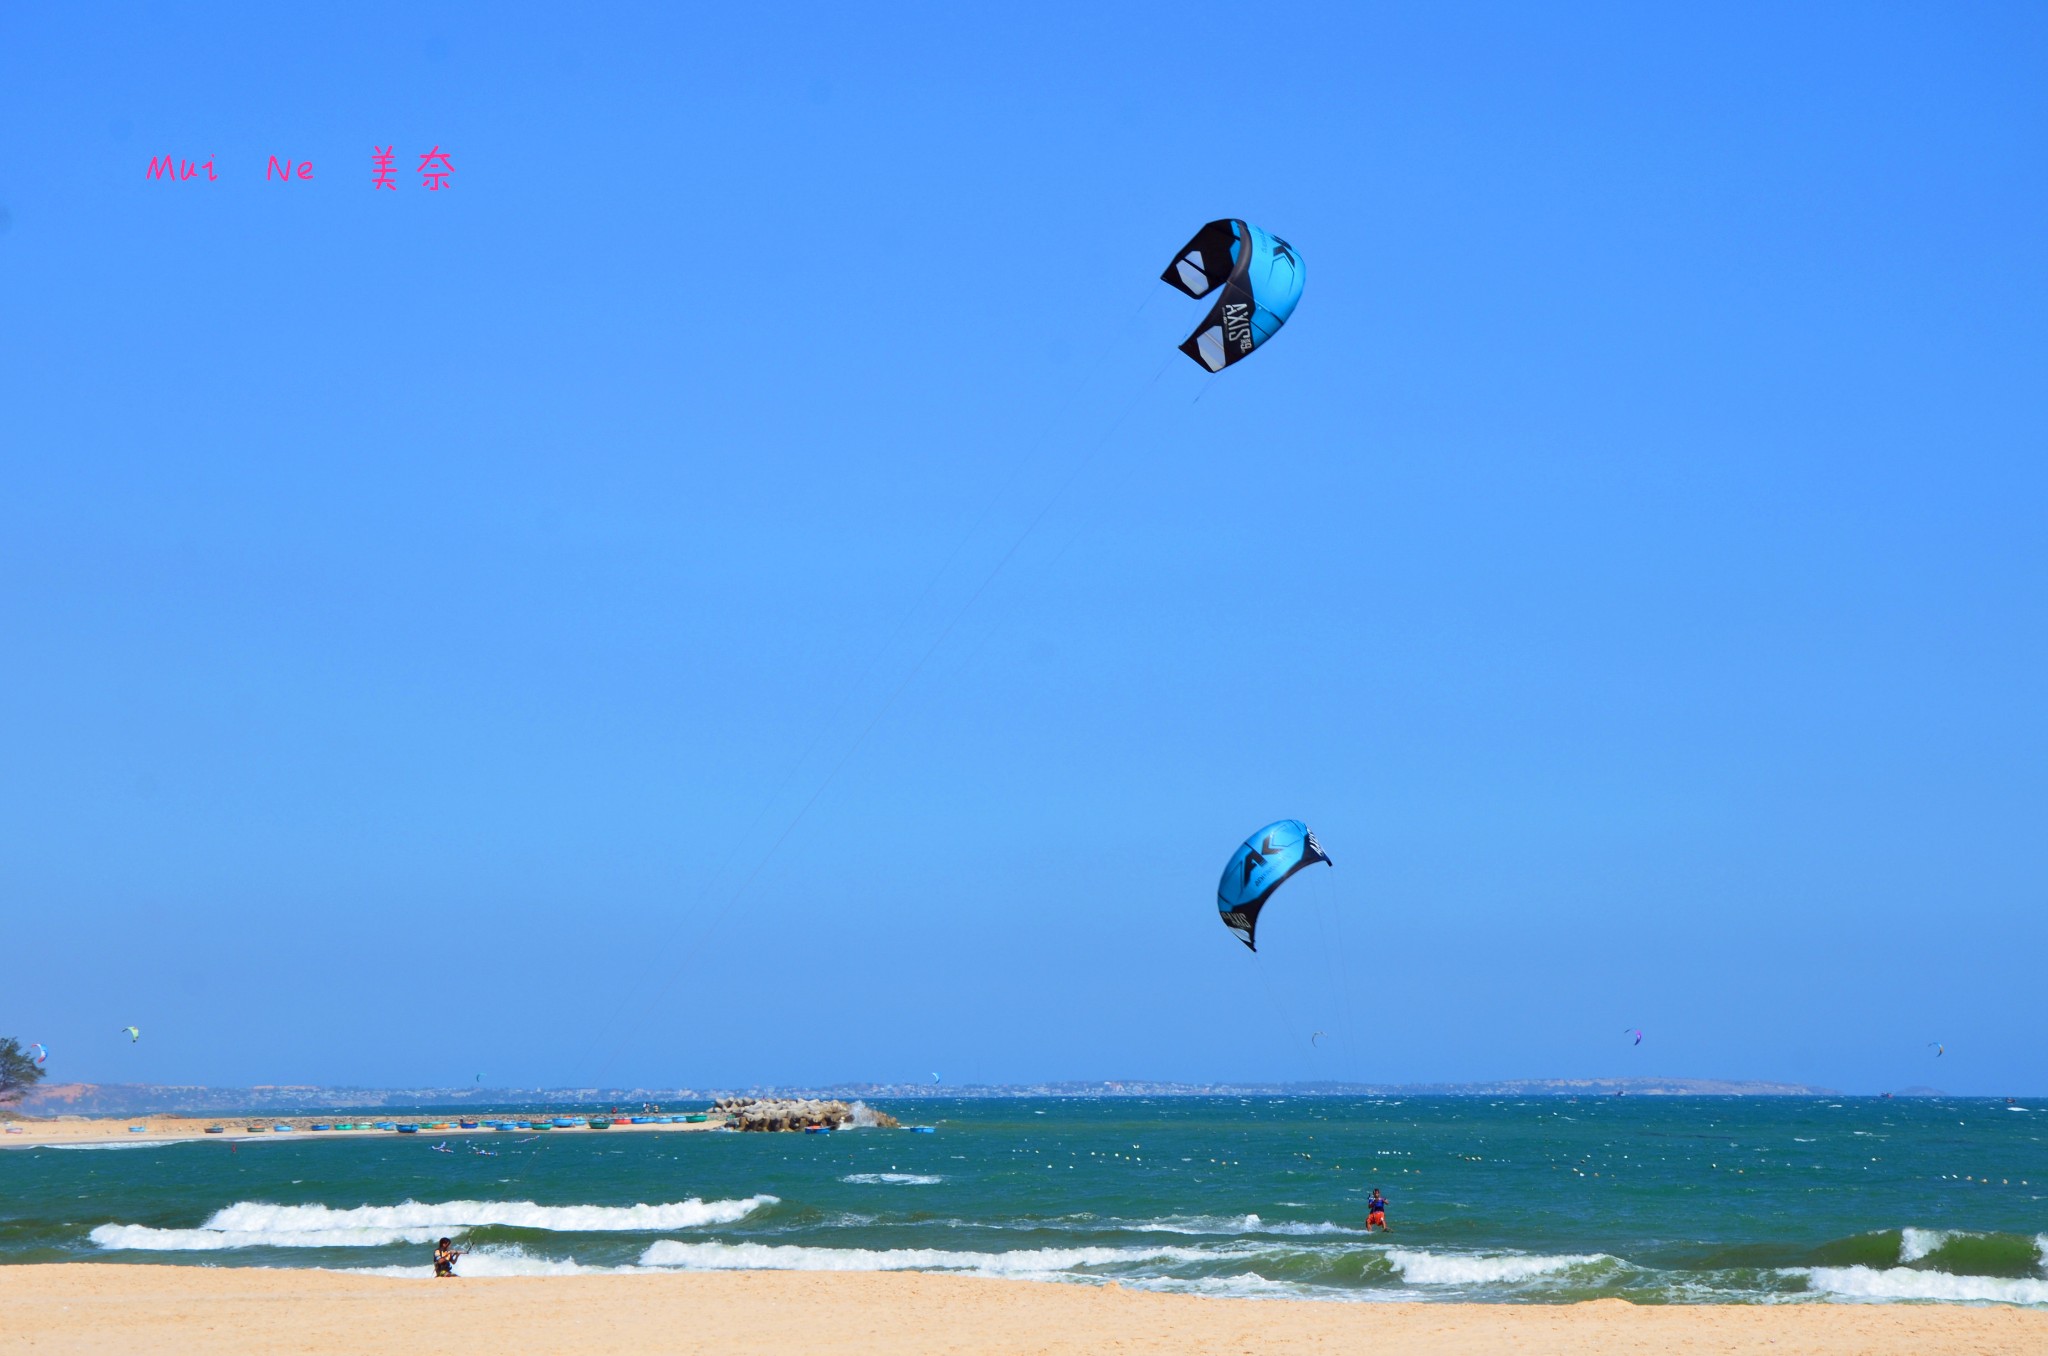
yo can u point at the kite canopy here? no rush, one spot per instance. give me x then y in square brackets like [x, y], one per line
[134, 1033]
[1260, 867]
[39, 1054]
[1261, 278]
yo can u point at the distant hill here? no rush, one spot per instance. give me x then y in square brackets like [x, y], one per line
[127, 1099]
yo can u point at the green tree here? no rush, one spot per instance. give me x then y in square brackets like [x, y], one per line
[18, 1073]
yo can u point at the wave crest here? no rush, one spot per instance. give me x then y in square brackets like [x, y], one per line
[256, 1224]
[256, 1216]
[1429, 1268]
[143, 1238]
[1911, 1283]
[892, 1179]
[1915, 1244]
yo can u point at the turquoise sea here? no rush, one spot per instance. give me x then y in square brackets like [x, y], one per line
[1659, 1200]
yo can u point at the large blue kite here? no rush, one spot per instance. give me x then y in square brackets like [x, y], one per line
[1260, 276]
[1260, 867]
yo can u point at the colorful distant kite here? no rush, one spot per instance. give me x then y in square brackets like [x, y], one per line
[1637, 1030]
[39, 1054]
[134, 1033]
[1261, 865]
[1260, 276]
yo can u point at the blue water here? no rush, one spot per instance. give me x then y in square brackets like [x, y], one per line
[1650, 1199]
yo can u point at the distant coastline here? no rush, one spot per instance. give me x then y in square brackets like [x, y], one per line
[120, 1099]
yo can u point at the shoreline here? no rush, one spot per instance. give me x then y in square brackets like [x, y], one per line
[78, 1132]
[64, 1307]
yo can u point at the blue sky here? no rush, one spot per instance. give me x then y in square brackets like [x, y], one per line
[739, 586]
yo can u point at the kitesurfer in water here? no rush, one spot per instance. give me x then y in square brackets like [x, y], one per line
[1376, 1213]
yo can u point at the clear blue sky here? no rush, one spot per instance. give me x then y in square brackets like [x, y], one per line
[423, 612]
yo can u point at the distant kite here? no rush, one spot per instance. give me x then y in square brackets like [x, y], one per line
[1938, 1048]
[134, 1033]
[39, 1054]
[935, 1077]
[1316, 1036]
[1637, 1030]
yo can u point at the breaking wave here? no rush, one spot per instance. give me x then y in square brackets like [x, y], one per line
[864, 1117]
[1233, 1225]
[1912, 1283]
[142, 1238]
[1915, 1244]
[1431, 1268]
[893, 1179]
[254, 1224]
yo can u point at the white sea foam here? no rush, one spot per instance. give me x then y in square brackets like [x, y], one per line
[254, 1224]
[1234, 1224]
[1433, 1268]
[142, 1238]
[255, 1216]
[1915, 1244]
[499, 1262]
[1035, 1262]
[102, 1148]
[864, 1117]
[893, 1179]
[1907, 1283]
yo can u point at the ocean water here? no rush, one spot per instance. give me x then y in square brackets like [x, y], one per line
[1657, 1200]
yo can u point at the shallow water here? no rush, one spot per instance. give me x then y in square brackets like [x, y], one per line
[1650, 1199]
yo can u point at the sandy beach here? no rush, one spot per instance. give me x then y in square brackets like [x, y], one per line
[26, 1131]
[176, 1310]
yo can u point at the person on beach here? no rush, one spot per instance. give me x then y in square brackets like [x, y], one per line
[1376, 1213]
[444, 1258]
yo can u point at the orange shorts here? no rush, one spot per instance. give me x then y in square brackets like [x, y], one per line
[1377, 1217]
